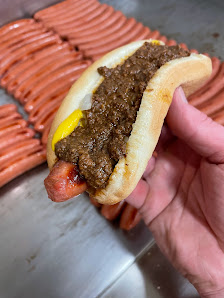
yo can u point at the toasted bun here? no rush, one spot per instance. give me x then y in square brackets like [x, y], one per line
[189, 72]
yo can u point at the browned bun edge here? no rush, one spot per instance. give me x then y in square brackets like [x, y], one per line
[189, 72]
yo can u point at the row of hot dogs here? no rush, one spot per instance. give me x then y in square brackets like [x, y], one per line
[19, 150]
[38, 67]
[33, 62]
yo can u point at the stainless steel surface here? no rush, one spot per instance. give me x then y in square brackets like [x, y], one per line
[151, 276]
[68, 250]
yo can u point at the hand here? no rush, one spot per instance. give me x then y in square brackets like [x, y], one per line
[181, 196]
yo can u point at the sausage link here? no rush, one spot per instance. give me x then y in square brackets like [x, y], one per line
[7, 109]
[27, 50]
[194, 51]
[13, 126]
[211, 89]
[18, 38]
[59, 86]
[213, 104]
[130, 217]
[129, 24]
[111, 23]
[219, 117]
[184, 46]
[68, 28]
[163, 39]
[31, 93]
[115, 42]
[55, 10]
[101, 32]
[94, 202]
[15, 25]
[144, 33]
[111, 212]
[40, 108]
[16, 136]
[46, 53]
[107, 17]
[9, 118]
[43, 119]
[45, 134]
[23, 43]
[215, 69]
[22, 166]
[72, 15]
[30, 85]
[171, 42]
[18, 151]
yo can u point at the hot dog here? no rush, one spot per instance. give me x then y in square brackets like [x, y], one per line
[119, 164]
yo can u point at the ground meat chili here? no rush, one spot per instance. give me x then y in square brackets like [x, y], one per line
[101, 142]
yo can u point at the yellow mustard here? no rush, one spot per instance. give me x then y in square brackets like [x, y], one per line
[66, 127]
[156, 42]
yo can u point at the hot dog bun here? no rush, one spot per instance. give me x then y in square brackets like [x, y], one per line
[189, 72]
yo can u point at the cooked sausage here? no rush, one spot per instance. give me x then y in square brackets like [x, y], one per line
[16, 136]
[57, 87]
[171, 42]
[115, 42]
[111, 212]
[18, 151]
[27, 50]
[130, 217]
[114, 20]
[12, 126]
[194, 51]
[41, 108]
[108, 15]
[56, 9]
[120, 32]
[219, 117]
[31, 93]
[15, 25]
[45, 134]
[71, 15]
[215, 69]
[11, 40]
[64, 182]
[40, 123]
[7, 120]
[94, 202]
[7, 109]
[16, 70]
[214, 104]
[212, 88]
[145, 33]
[100, 33]
[21, 166]
[23, 43]
[184, 46]
[68, 28]
[47, 71]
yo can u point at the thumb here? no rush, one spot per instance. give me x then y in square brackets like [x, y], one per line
[200, 132]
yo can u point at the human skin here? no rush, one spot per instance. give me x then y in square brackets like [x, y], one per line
[181, 196]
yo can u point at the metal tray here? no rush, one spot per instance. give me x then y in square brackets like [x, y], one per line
[69, 250]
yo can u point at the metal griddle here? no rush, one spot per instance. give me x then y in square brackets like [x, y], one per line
[69, 250]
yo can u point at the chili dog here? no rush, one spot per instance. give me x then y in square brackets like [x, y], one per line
[113, 172]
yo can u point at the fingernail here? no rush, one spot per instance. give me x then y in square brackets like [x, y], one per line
[182, 95]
